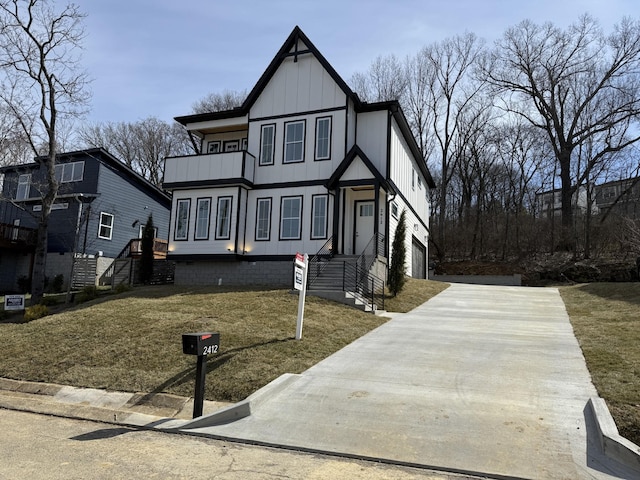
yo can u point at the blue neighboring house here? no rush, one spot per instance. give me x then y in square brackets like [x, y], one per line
[101, 208]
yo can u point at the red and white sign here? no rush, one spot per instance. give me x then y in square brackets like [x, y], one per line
[300, 260]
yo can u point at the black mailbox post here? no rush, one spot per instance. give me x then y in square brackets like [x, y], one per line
[200, 344]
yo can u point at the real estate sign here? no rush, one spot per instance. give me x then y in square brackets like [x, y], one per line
[14, 302]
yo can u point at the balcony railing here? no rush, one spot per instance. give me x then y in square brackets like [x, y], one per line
[15, 235]
[233, 167]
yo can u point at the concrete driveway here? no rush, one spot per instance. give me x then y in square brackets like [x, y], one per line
[479, 380]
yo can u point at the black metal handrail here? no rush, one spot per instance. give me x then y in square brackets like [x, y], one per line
[363, 283]
[319, 261]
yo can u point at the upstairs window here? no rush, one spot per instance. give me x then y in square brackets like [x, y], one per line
[294, 142]
[24, 183]
[105, 230]
[323, 138]
[394, 210]
[267, 144]
[223, 220]
[181, 231]
[69, 172]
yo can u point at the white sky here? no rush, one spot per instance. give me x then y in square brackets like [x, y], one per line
[157, 57]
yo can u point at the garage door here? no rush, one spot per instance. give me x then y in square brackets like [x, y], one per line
[418, 259]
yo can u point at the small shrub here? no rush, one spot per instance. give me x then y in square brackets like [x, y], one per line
[57, 284]
[87, 293]
[121, 288]
[35, 312]
[24, 284]
[49, 301]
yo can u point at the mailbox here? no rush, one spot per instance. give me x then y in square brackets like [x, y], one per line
[203, 343]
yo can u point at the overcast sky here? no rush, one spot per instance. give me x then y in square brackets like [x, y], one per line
[157, 57]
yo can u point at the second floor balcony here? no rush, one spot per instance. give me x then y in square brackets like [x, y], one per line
[232, 168]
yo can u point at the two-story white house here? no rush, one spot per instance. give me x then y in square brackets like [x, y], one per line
[302, 166]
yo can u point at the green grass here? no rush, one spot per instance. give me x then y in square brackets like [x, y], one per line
[133, 341]
[606, 321]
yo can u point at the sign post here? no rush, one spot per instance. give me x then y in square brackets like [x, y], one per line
[300, 284]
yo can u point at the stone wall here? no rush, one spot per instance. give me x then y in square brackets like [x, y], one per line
[276, 273]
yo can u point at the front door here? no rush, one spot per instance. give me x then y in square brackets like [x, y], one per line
[364, 224]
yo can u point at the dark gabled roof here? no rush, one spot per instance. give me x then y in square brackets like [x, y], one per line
[105, 158]
[285, 51]
[291, 42]
[356, 151]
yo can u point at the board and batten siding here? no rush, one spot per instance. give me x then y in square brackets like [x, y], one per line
[414, 194]
[309, 169]
[126, 202]
[372, 137]
[298, 86]
[275, 246]
[210, 246]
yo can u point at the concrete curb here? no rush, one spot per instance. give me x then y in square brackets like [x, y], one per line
[241, 409]
[612, 443]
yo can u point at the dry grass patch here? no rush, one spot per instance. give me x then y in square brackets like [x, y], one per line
[132, 342]
[414, 294]
[606, 321]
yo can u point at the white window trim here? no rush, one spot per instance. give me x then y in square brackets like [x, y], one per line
[266, 200]
[264, 136]
[26, 185]
[319, 120]
[314, 234]
[109, 227]
[283, 218]
[197, 235]
[288, 143]
[76, 170]
[187, 202]
[226, 235]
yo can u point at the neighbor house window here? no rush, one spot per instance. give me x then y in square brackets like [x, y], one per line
[263, 219]
[69, 172]
[24, 182]
[106, 226]
[413, 179]
[290, 216]
[181, 231]
[293, 142]
[223, 219]
[319, 217]
[323, 138]
[267, 144]
[202, 219]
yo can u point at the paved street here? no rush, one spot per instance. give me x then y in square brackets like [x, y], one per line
[34, 447]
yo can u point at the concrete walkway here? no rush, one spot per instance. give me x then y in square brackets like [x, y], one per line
[479, 380]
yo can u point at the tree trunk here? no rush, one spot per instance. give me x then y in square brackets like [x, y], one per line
[39, 263]
[567, 191]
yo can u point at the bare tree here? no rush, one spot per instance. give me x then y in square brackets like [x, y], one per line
[575, 85]
[142, 145]
[42, 84]
[450, 91]
[217, 102]
[385, 80]
[14, 146]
